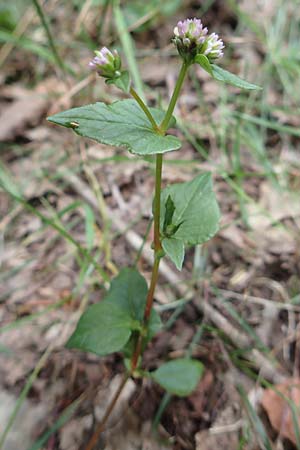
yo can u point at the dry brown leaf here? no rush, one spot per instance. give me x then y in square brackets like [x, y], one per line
[30, 415]
[234, 234]
[278, 410]
[273, 205]
[199, 397]
[21, 113]
[207, 441]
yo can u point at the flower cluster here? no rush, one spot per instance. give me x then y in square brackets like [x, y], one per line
[190, 38]
[106, 63]
[214, 47]
[190, 31]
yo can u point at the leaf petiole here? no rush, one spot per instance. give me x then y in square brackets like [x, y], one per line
[145, 108]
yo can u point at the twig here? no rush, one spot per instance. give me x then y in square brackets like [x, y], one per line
[258, 300]
[94, 439]
[82, 15]
[66, 97]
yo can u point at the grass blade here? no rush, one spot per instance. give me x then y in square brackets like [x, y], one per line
[64, 233]
[257, 425]
[59, 423]
[128, 47]
[23, 394]
[52, 45]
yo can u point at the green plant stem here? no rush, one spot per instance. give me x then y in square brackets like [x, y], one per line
[157, 195]
[49, 35]
[153, 283]
[144, 107]
[157, 257]
[157, 242]
[164, 125]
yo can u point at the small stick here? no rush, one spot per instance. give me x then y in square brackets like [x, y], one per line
[94, 439]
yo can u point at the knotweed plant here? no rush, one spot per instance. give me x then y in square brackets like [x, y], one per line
[185, 214]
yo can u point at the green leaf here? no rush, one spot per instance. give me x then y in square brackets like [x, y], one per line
[107, 326]
[180, 376]
[102, 329]
[203, 61]
[169, 211]
[122, 82]
[196, 211]
[220, 74]
[128, 291]
[229, 78]
[174, 248]
[121, 124]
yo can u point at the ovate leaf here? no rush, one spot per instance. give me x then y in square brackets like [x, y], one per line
[180, 376]
[102, 329]
[128, 291]
[121, 124]
[174, 248]
[196, 211]
[223, 75]
[220, 74]
[106, 327]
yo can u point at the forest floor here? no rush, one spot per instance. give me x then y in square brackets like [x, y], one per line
[235, 305]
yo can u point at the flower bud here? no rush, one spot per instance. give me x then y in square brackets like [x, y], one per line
[213, 47]
[106, 63]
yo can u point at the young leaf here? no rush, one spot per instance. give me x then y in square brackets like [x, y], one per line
[223, 75]
[180, 376]
[122, 82]
[174, 248]
[229, 78]
[196, 211]
[203, 61]
[107, 326]
[169, 211]
[121, 124]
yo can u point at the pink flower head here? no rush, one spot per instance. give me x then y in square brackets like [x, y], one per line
[190, 38]
[190, 32]
[106, 63]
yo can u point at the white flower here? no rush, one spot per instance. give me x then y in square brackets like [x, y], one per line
[214, 47]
